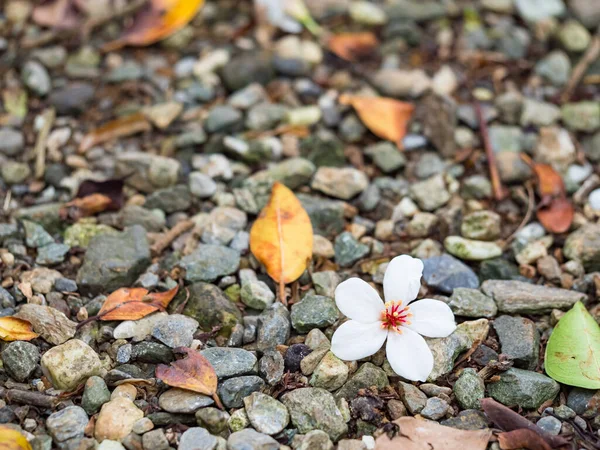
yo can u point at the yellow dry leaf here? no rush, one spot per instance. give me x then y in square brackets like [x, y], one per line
[282, 237]
[14, 329]
[385, 117]
[11, 439]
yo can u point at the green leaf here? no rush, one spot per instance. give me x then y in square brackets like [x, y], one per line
[573, 350]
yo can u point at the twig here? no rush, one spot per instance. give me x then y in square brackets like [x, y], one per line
[528, 214]
[40, 143]
[165, 240]
[499, 192]
[590, 55]
[28, 398]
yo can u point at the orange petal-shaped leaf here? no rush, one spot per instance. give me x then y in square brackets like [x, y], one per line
[123, 126]
[160, 19]
[385, 117]
[11, 439]
[282, 236]
[134, 303]
[351, 46]
[550, 183]
[90, 205]
[14, 329]
[557, 216]
[193, 373]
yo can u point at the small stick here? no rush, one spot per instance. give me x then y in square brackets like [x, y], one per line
[165, 240]
[499, 193]
[528, 214]
[590, 55]
[40, 143]
[28, 398]
[282, 292]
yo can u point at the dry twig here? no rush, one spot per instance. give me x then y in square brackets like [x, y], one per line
[591, 54]
[41, 143]
[499, 192]
[165, 240]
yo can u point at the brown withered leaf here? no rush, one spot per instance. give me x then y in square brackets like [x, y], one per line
[121, 127]
[523, 438]
[385, 117]
[557, 216]
[194, 373]
[15, 329]
[134, 303]
[352, 46]
[111, 188]
[508, 420]
[85, 207]
[416, 434]
[550, 183]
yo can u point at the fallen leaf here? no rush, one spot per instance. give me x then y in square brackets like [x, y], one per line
[352, 46]
[557, 216]
[385, 117]
[134, 303]
[11, 439]
[573, 350]
[121, 127]
[157, 20]
[111, 188]
[15, 329]
[85, 207]
[415, 434]
[508, 420]
[282, 237]
[523, 438]
[550, 183]
[194, 373]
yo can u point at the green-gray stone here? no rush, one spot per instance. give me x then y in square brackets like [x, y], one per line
[366, 376]
[81, 233]
[14, 172]
[95, 394]
[523, 388]
[469, 389]
[233, 391]
[114, 261]
[499, 269]
[481, 225]
[386, 156]
[519, 339]
[209, 306]
[170, 199]
[325, 282]
[315, 409]
[229, 361]
[52, 254]
[583, 245]
[326, 215]
[293, 172]
[266, 414]
[331, 373]
[152, 353]
[208, 262]
[213, 419]
[257, 295]
[323, 149]
[47, 215]
[273, 327]
[581, 116]
[471, 250]
[313, 311]
[20, 360]
[348, 250]
[35, 235]
[238, 420]
[467, 302]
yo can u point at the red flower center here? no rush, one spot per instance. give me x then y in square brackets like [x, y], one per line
[394, 316]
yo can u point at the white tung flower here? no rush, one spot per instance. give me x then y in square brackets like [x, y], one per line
[398, 320]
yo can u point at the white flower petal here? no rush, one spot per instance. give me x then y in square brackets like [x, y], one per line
[357, 300]
[354, 340]
[409, 355]
[431, 318]
[402, 279]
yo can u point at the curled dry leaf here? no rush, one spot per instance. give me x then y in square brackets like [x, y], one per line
[121, 127]
[415, 434]
[351, 46]
[15, 329]
[134, 303]
[85, 207]
[157, 20]
[557, 216]
[385, 117]
[550, 183]
[11, 439]
[194, 373]
[282, 237]
[523, 438]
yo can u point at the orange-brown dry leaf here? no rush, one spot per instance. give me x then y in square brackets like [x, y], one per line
[11, 439]
[550, 183]
[418, 434]
[121, 127]
[351, 46]
[193, 373]
[385, 117]
[14, 329]
[134, 303]
[282, 237]
[522, 438]
[158, 20]
[557, 216]
[90, 205]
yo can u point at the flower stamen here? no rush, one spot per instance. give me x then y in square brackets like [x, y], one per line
[394, 316]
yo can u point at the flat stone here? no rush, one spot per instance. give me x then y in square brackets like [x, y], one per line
[170, 199]
[519, 339]
[266, 414]
[517, 297]
[11, 141]
[197, 438]
[271, 367]
[20, 360]
[249, 439]
[233, 390]
[67, 426]
[447, 273]
[51, 324]
[471, 250]
[331, 373]
[313, 311]
[175, 330]
[315, 409]
[230, 362]
[430, 194]
[342, 183]
[412, 397]
[435, 408]
[138, 330]
[257, 295]
[116, 419]
[467, 302]
[348, 250]
[583, 245]
[273, 327]
[70, 364]
[523, 388]
[368, 375]
[114, 261]
[181, 401]
[469, 389]
[208, 262]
